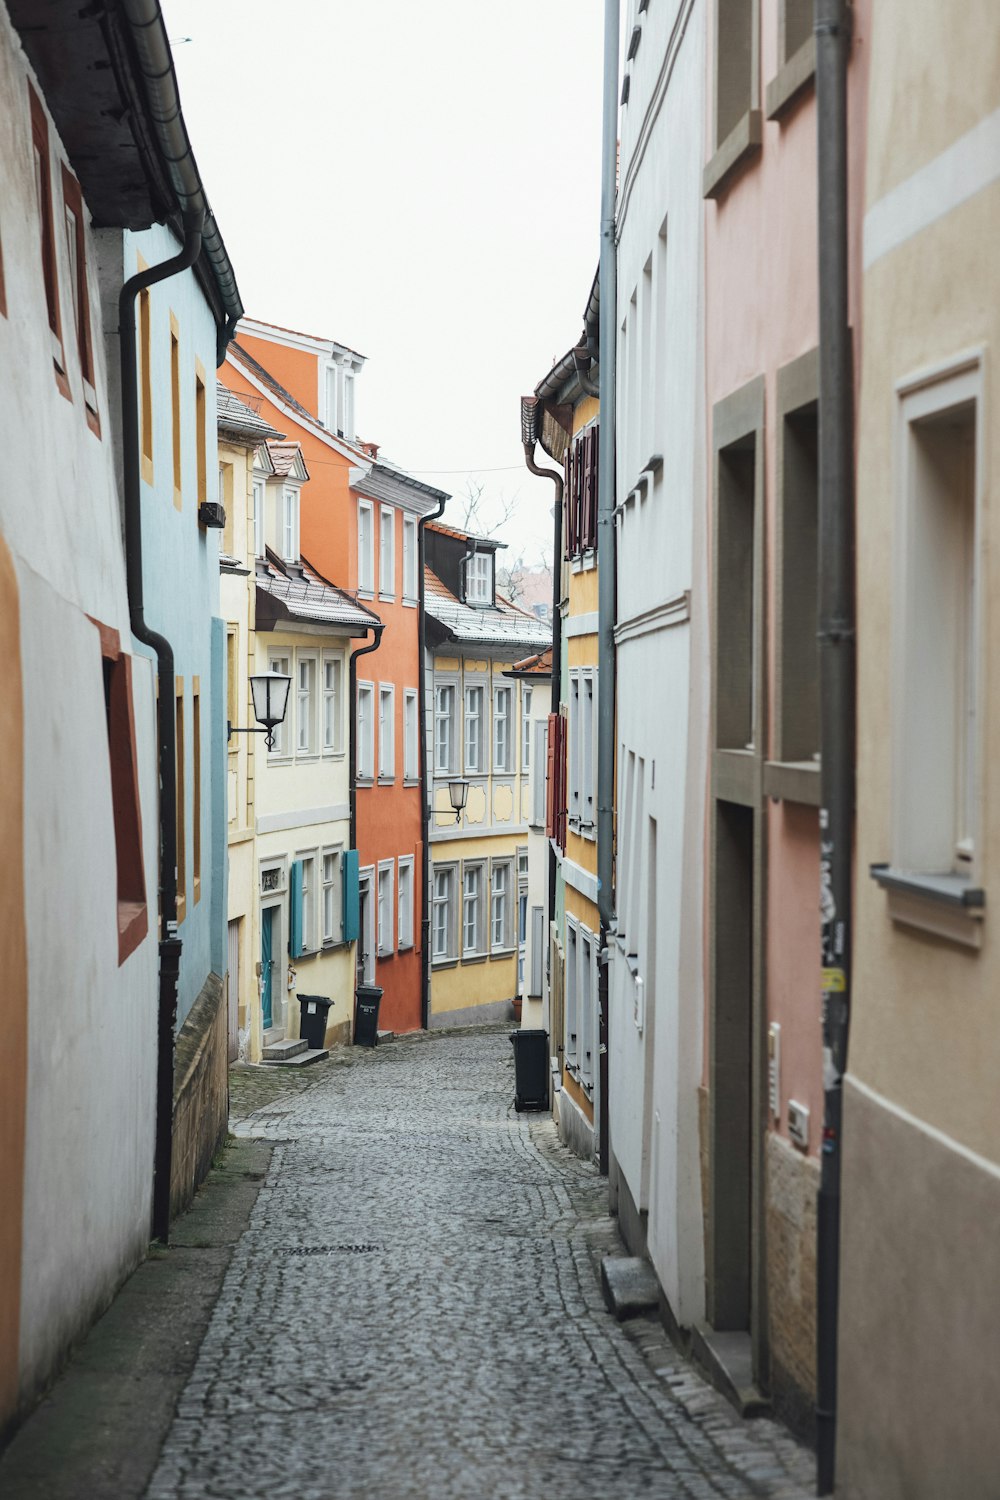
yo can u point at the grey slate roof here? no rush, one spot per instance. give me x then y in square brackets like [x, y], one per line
[240, 421]
[500, 625]
[386, 482]
[298, 592]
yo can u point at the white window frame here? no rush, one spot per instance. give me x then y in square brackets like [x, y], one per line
[281, 661]
[574, 752]
[444, 885]
[289, 523]
[387, 553]
[471, 718]
[333, 703]
[474, 871]
[259, 499]
[587, 1003]
[504, 721]
[505, 942]
[310, 901]
[411, 736]
[935, 742]
[526, 694]
[385, 908]
[445, 765]
[386, 731]
[588, 770]
[479, 579]
[366, 548]
[365, 761]
[347, 386]
[571, 983]
[539, 772]
[404, 902]
[410, 558]
[332, 899]
[305, 703]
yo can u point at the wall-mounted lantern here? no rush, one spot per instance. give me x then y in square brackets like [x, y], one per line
[458, 791]
[270, 704]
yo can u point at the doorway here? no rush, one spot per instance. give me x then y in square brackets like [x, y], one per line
[270, 948]
[233, 990]
[366, 927]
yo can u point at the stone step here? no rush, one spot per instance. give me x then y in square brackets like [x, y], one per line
[629, 1286]
[385, 1036]
[280, 1051]
[727, 1360]
[297, 1059]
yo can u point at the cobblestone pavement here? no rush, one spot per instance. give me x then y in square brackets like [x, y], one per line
[414, 1311]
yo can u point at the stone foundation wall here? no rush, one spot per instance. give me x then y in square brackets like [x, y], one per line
[792, 1185]
[201, 1092]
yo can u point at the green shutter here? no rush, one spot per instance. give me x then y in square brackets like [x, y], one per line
[295, 909]
[350, 885]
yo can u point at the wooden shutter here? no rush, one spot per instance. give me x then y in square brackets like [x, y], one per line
[537, 952]
[550, 777]
[561, 783]
[349, 883]
[295, 908]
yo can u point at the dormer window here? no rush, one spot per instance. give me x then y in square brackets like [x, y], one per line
[290, 524]
[479, 578]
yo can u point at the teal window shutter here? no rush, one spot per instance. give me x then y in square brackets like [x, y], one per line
[295, 909]
[350, 886]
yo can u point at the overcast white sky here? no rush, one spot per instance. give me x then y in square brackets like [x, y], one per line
[420, 181]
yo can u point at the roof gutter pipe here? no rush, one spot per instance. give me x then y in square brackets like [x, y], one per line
[582, 356]
[170, 943]
[606, 563]
[352, 695]
[425, 781]
[529, 437]
[837, 658]
[156, 65]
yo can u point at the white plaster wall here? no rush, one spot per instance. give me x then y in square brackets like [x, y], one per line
[654, 1075]
[299, 783]
[92, 1025]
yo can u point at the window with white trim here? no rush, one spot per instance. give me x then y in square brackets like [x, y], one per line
[479, 578]
[333, 916]
[937, 642]
[575, 750]
[348, 390]
[282, 731]
[474, 759]
[502, 727]
[410, 559]
[386, 731]
[333, 703]
[588, 726]
[525, 728]
[473, 875]
[258, 518]
[571, 989]
[386, 937]
[538, 774]
[411, 735]
[308, 862]
[289, 524]
[587, 1003]
[305, 703]
[366, 548]
[387, 551]
[444, 727]
[366, 731]
[501, 904]
[404, 902]
[443, 913]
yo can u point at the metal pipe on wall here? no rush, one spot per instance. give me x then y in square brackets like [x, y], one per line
[170, 943]
[606, 564]
[425, 807]
[837, 657]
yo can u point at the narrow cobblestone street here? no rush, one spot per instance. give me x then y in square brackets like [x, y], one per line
[415, 1310]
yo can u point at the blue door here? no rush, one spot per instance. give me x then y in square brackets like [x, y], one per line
[266, 963]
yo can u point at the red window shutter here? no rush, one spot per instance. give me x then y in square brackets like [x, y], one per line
[595, 436]
[568, 505]
[550, 778]
[561, 809]
[589, 489]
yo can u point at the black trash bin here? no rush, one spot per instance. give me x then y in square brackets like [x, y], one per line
[366, 1003]
[531, 1068]
[312, 1019]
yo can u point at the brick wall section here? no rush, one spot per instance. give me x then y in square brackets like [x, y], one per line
[792, 1185]
[201, 1092]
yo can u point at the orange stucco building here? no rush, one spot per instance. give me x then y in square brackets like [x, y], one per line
[360, 524]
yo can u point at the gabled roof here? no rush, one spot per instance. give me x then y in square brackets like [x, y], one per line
[296, 592]
[287, 461]
[266, 383]
[240, 422]
[501, 625]
[385, 482]
[483, 543]
[317, 340]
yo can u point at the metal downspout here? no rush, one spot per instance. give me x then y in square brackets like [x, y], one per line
[837, 656]
[352, 690]
[170, 943]
[582, 358]
[425, 808]
[606, 565]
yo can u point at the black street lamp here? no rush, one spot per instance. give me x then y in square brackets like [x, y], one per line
[458, 791]
[270, 704]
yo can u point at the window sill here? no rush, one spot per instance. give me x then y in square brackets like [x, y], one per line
[474, 958]
[792, 781]
[334, 754]
[948, 906]
[789, 81]
[385, 779]
[741, 144]
[410, 603]
[364, 781]
[406, 947]
[386, 598]
[444, 963]
[502, 952]
[133, 924]
[411, 781]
